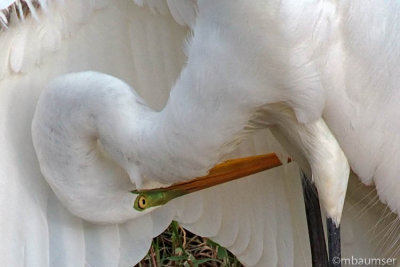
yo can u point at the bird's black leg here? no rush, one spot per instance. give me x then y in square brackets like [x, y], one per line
[333, 243]
[314, 223]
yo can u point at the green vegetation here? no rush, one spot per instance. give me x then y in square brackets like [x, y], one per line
[179, 247]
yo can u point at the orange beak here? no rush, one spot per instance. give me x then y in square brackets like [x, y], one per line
[221, 173]
[230, 170]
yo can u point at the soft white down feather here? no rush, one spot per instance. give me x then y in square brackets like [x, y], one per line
[146, 50]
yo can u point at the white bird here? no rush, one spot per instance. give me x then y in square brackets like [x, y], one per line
[282, 65]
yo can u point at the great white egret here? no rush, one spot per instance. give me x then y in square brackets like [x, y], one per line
[300, 47]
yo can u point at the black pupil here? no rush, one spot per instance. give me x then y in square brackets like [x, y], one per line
[143, 201]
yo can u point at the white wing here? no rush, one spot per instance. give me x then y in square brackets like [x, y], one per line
[363, 94]
[261, 220]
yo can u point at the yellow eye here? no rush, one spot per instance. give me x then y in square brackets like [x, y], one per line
[142, 202]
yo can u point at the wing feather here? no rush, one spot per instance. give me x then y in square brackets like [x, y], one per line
[183, 11]
[66, 236]
[209, 222]
[136, 239]
[102, 245]
[17, 51]
[189, 209]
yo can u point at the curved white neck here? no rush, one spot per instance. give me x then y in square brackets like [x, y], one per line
[165, 147]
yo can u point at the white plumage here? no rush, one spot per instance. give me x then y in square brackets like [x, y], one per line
[306, 56]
